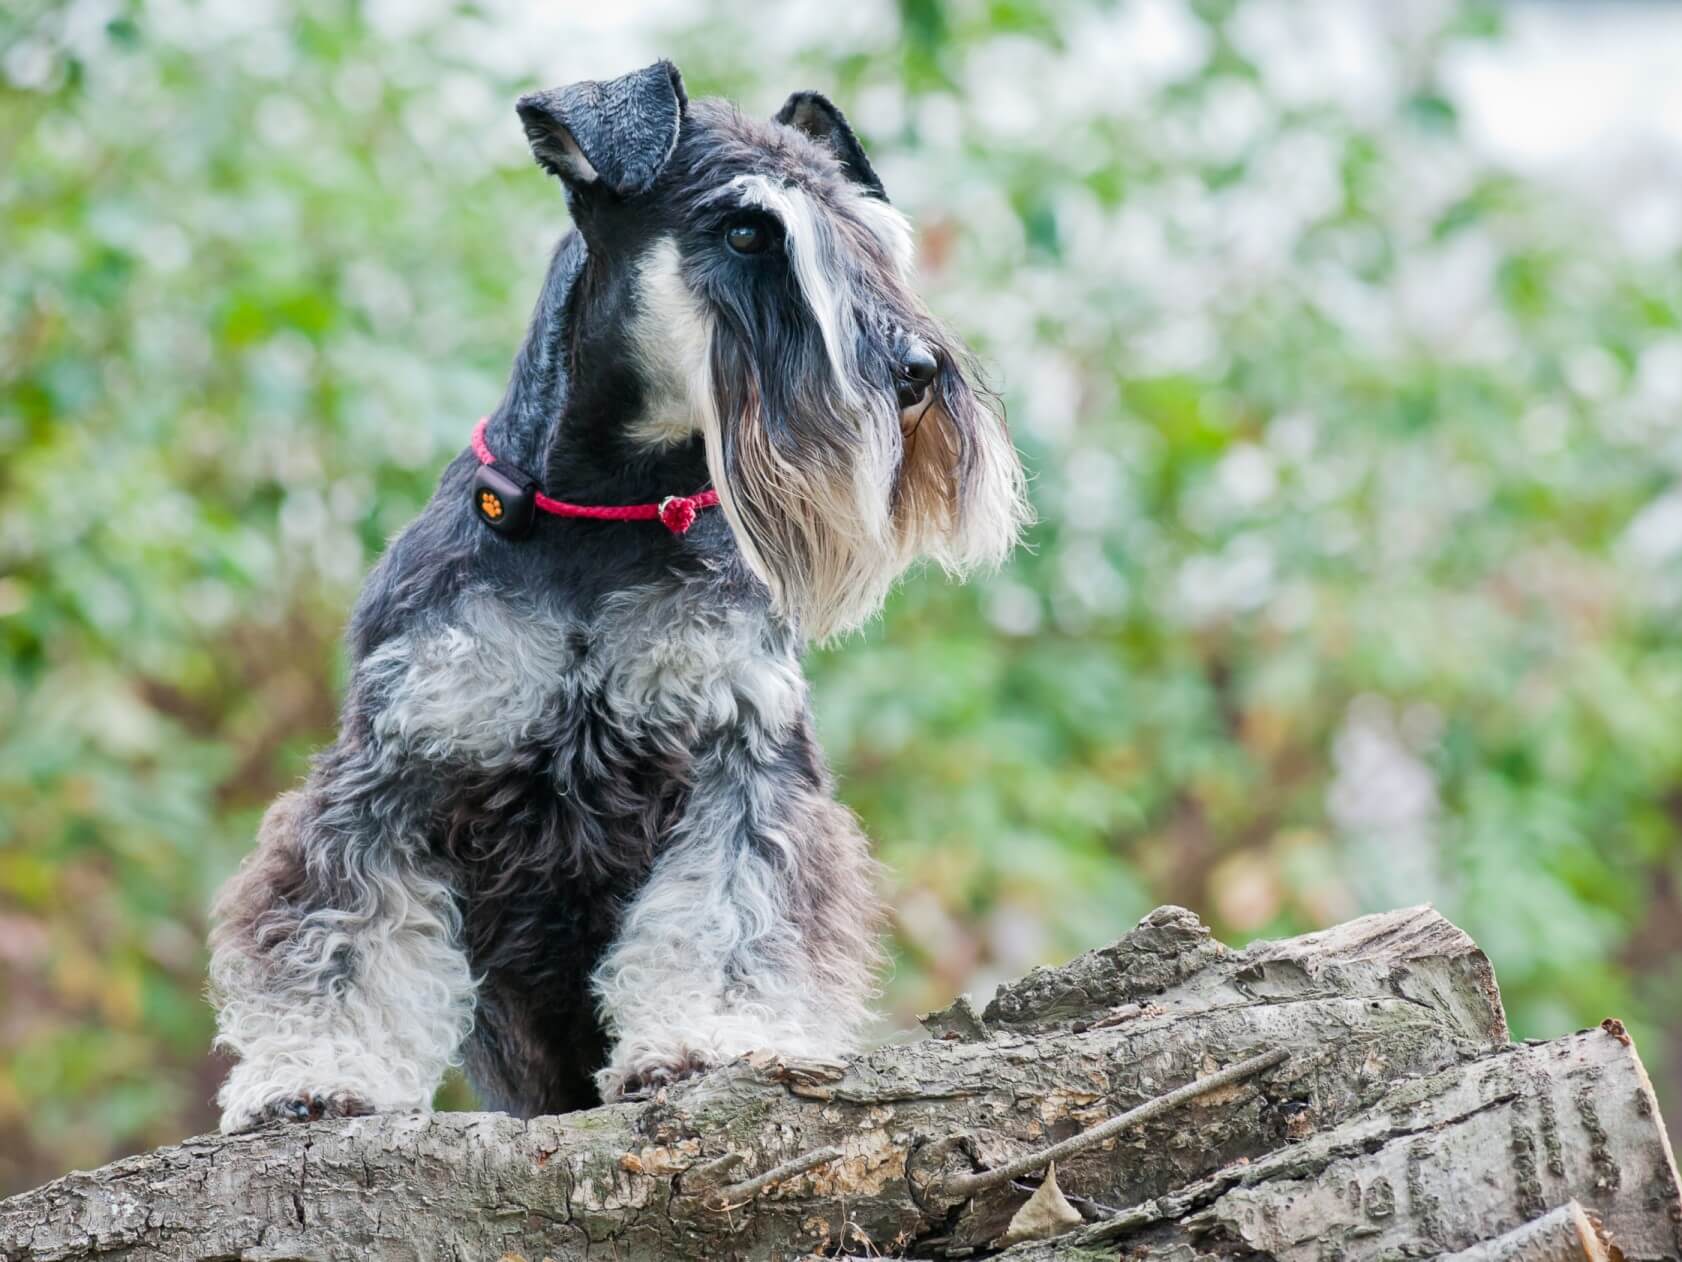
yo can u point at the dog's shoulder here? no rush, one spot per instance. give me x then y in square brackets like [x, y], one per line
[475, 679]
[424, 569]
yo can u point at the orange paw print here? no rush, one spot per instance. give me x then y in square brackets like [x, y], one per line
[490, 505]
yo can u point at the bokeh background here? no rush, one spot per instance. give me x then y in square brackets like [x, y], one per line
[1344, 340]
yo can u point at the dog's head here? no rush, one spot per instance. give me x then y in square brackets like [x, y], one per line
[765, 285]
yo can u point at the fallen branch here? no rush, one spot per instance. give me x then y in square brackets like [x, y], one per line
[1403, 1123]
[739, 1194]
[959, 1186]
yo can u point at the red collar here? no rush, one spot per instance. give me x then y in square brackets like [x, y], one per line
[504, 497]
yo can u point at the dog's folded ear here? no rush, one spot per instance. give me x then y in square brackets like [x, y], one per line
[816, 115]
[617, 134]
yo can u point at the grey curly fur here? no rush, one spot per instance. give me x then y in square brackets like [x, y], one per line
[576, 832]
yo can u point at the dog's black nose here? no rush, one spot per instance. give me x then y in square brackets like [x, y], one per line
[919, 364]
[917, 370]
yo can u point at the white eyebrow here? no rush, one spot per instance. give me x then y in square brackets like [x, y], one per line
[811, 249]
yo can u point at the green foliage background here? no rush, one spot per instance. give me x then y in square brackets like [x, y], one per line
[1356, 582]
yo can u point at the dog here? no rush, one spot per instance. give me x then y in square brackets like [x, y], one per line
[575, 833]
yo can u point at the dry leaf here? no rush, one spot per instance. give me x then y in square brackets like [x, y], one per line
[1046, 1214]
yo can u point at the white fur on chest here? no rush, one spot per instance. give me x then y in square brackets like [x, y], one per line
[495, 681]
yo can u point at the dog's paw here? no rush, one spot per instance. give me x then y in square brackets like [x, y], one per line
[647, 1075]
[309, 1106]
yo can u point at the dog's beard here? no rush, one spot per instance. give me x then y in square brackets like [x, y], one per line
[831, 498]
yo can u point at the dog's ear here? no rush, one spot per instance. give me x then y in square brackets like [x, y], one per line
[816, 115]
[617, 135]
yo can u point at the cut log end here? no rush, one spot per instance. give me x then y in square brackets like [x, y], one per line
[1567, 1234]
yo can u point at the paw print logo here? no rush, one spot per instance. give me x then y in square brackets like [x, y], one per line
[490, 505]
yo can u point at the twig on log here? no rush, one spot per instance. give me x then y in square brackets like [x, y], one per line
[738, 1194]
[697, 1178]
[959, 1186]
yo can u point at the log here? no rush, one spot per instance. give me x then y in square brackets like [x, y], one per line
[1361, 1099]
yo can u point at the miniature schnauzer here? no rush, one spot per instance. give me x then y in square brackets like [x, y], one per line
[575, 832]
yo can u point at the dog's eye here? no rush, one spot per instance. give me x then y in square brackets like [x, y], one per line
[747, 236]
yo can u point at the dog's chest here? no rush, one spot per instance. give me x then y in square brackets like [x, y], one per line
[653, 674]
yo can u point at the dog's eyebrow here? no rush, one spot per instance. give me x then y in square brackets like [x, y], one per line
[811, 252]
[884, 223]
[746, 190]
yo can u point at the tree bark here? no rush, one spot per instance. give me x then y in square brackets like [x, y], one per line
[1401, 1123]
[1567, 1234]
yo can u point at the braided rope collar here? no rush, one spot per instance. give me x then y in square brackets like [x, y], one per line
[506, 498]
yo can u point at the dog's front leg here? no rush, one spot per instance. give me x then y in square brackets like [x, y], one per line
[336, 969]
[755, 930]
